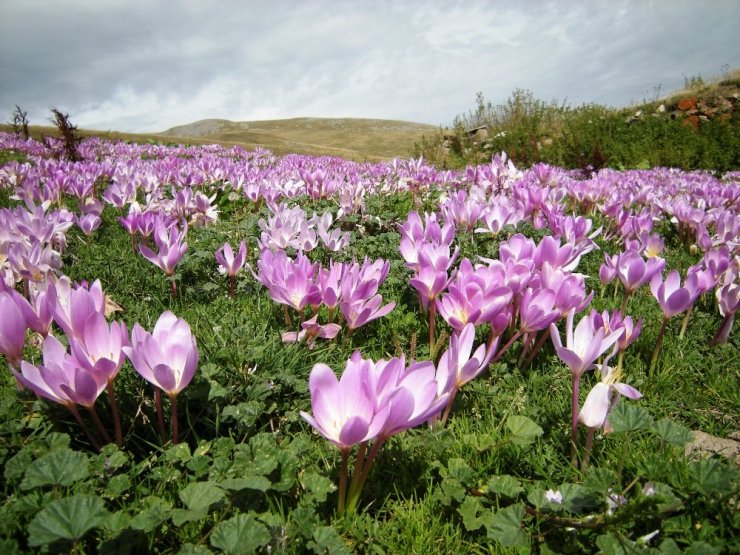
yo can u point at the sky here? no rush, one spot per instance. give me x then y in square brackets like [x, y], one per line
[148, 65]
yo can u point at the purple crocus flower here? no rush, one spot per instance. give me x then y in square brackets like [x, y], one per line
[99, 349]
[537, 310]
[61, 379]
[634, 271]
[168, 357]
[228, 263]
[671, 296]
[71, 307]
[170, 244]
[344, 410]
[311, 329]
[584, 344]
[12, 329]
[603, 397]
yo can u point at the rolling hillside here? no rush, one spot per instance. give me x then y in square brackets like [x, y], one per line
[370, 139]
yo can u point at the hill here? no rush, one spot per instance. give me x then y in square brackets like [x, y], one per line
[370, 139]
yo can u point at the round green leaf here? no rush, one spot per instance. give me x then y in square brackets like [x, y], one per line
[58, 468]
[240, 535]
[67, 519]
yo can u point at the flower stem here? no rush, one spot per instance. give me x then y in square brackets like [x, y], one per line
[116, 414]
[160, 413]
[589, 446]
[355, 486]
[232, 286]
[503, 349]
[173, 288]
[432, 318]
[173, 420]
[575, 380]
[658, 344]
[537, 347]
[685, 323]
[98, 423]
[626, 297]
[723, 333]
[342, 483]
[84, 427]
[448, 408]
[353, 496]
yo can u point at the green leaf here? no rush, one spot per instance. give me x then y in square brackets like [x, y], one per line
[469, 510]
[600, 480]
[327, 540]
[117, 521]
[506, 527]
[240, 534]
[69, 518]
[702, 548]
[117, 485]
[670, 547]
[628, 417]
[710, 476]
[178, 453]
[317, 486]
[56, 440]
[17, 465]
[199, 496]
[611, 545]
[259, 483]
[156, 511]
[460, 471]
[505, 485]
[58, 468]
[673, 432]
[190, 549]
[524, 431]
[577, 499]
[245, 413]
[181, 516]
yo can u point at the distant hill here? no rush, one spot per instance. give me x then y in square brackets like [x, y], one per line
[360, 139]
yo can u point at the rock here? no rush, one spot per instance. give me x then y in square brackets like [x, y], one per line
[687, 104]
[692, 120]
[705, 445]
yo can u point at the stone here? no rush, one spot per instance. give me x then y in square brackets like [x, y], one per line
[687, 104]
[705, 445]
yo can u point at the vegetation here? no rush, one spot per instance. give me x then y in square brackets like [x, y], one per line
[250, 475]
[591, 136]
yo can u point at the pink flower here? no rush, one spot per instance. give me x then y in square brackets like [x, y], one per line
[584, 344]
[311, 330]
[227, 262]
[170, 244]
[600, 400]
[61, 379]
[167, 357]
[71, 307]
[633, 271]
[672, 298]
[344, 410]
[12, 329]
[100, 349]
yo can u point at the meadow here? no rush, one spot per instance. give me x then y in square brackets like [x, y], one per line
[211, 349]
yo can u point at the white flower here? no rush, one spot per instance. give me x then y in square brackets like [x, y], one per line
[554, 497]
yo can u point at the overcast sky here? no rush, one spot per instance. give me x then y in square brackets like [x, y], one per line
[147, 65]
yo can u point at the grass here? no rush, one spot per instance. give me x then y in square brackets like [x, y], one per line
[589, 137]
[251, 475]
[355, 139]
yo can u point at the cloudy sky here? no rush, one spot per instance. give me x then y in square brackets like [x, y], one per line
[147, 65]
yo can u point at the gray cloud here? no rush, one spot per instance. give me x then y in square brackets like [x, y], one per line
[148, 65]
